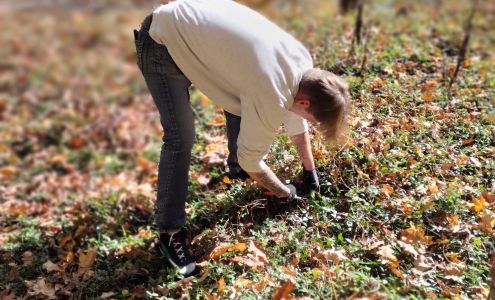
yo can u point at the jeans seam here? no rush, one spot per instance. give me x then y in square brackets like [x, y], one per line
[175, 141]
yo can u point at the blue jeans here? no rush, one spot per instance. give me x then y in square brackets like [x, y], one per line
[169, 88]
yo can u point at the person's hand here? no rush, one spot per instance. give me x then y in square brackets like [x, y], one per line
[292, 194]
[310, 181]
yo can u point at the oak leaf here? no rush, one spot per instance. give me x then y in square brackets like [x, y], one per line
[415, 235]
[221, 249]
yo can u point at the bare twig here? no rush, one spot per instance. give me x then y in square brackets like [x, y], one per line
[356, 37]
[462, 52]
[365, 48]
[491, 296]
[359, 24]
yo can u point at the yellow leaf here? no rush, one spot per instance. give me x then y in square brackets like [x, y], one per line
[478, 204]
[433, 188]
[221, 249]
[453, 257]
[221, 285]
[226, 180]
[204, 100]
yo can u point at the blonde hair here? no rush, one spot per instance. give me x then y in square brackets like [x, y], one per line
[329, 102]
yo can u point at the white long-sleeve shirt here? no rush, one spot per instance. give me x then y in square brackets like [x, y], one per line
[240, 60]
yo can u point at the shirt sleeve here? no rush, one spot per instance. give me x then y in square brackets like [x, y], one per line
[255, 139]
[295, 124]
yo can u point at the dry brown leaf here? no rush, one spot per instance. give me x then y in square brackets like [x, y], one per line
[27, 258]
[451, 291]
[69, 257]
[146, 165]
[86, 260]
[454, 269]
[51, 267]
[490, 198]
[283, 292]
[257, 252]
[415, 235]
[221, 249]
[76, 142]
[386, 254]
[423, 264]
[336, 256]
[248, 261]
[39, 287]
[244, 283]
[388, 190]
[9, 171]
[408, 248]
[428, 90]
[487, 222]
[217, 121]
[468, 141]
[289, 271]
[107, 295]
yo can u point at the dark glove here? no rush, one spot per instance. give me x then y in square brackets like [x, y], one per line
[292, 194]
[310, 181]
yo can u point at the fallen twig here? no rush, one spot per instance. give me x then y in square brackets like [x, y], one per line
[462, 52]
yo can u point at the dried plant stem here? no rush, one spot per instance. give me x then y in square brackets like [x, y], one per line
[462, 52]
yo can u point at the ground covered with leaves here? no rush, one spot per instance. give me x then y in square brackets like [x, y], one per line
[406, 207]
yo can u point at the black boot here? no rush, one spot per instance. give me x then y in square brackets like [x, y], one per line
[175, 247]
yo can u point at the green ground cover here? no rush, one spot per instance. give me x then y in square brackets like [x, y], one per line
[406, 208]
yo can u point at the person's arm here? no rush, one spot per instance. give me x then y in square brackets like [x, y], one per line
[309, 174]
[267, 179]
[303, 146]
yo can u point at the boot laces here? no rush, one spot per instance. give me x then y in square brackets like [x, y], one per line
[178, 247]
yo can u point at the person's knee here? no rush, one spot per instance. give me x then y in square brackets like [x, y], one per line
[181, 140]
